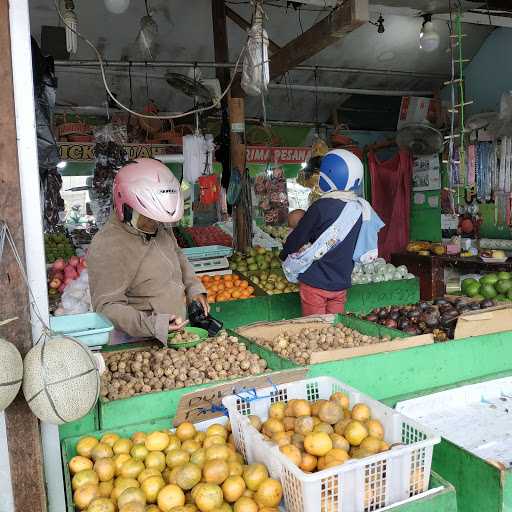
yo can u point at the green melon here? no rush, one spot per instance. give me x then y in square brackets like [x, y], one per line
[504, 275]
[488, 291]
[472, 289]
[503, 286]
[466, 283]
[489, 279]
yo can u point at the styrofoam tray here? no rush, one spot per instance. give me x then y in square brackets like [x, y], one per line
[363, 485]
[477, 417]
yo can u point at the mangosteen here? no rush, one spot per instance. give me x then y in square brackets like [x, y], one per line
[372, 317]
[424, 305]
[447, 319]
[445, 308]
[392, 324]
[412, 330]
[487, 303]
[403, 323]
[439, 302]
[383, 314]
[463, 309]
[394, 315]
[474, 306]
[413, 313]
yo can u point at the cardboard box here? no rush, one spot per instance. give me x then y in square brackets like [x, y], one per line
[485, 321]
[264, 331]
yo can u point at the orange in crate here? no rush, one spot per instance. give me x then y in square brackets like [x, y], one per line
[223, 288]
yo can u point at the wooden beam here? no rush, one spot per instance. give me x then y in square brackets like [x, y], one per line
[23, 435]
[220, 41]
[245, 25]
[242, 227]
[343, 20]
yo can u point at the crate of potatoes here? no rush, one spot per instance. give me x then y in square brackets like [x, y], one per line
[333, 448]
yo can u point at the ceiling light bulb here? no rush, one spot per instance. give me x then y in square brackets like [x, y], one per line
[61, 164]
[429, 38]
[117, 6]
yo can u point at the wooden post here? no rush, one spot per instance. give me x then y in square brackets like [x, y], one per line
[220, 41]
[242, 228]
[23, 437]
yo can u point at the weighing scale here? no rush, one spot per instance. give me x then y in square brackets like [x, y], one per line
[211, 259]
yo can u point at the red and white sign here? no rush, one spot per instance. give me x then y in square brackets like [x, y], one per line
[415, 109]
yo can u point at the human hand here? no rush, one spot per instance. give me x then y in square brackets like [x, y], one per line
[204, 303]
[176, 323]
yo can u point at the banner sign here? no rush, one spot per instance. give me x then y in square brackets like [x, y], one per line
[80, 152]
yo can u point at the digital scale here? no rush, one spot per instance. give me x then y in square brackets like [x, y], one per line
[210, 259]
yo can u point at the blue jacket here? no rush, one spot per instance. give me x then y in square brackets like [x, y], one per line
[334, 271]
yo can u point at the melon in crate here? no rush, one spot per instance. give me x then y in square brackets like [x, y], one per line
[61, 380]
[11, 373]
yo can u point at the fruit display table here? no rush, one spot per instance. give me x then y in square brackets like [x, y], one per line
[430, 270]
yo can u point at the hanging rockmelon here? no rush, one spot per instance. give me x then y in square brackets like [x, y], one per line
[61, 380]
[11, 373]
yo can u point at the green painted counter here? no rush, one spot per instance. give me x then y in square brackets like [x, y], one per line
[362, 298]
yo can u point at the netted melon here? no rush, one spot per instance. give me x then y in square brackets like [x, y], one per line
[60, 381]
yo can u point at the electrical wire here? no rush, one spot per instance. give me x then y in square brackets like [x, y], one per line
[138, 114]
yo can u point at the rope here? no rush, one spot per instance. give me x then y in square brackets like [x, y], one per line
[5, 234]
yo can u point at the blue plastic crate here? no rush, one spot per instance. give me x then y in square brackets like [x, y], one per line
[92, 329]
[208, 251]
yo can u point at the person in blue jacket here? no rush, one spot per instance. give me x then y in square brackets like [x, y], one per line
[320, 252]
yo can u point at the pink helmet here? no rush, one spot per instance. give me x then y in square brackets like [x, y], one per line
[150, 188]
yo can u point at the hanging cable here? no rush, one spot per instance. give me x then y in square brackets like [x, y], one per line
[215, 104]
[130, 83]
[147, 81]
[317, 115]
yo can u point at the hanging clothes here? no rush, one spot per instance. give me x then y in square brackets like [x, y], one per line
[391, 199]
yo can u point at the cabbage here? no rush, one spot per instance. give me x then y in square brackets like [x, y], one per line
[369, 268]
[403, 270]
[390, 267]
[397, 275]
[409, 276]
[378, 278]
[380, 261]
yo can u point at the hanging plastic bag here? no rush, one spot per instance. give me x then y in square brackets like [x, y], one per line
[255, 73]
[198, 156]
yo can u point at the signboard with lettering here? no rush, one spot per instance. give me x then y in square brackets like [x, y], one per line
[76, 152]
[206, 403]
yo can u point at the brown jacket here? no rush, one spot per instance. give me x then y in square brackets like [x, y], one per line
[138, 283]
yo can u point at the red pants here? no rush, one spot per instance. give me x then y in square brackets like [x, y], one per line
[315, 301]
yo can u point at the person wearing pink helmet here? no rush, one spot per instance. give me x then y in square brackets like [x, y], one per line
[139, 277]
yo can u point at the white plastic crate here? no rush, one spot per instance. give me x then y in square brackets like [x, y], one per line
[363, 485]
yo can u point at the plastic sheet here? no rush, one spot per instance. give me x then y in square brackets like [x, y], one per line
[45, 88]
[110, 157]
[76, 298]
[255, 73]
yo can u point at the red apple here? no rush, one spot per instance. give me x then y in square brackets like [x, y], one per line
[70, 271]
[55, 283]
[58, 275]
[61, 288]
[68, 280]
[73, 261]
[59, 264]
